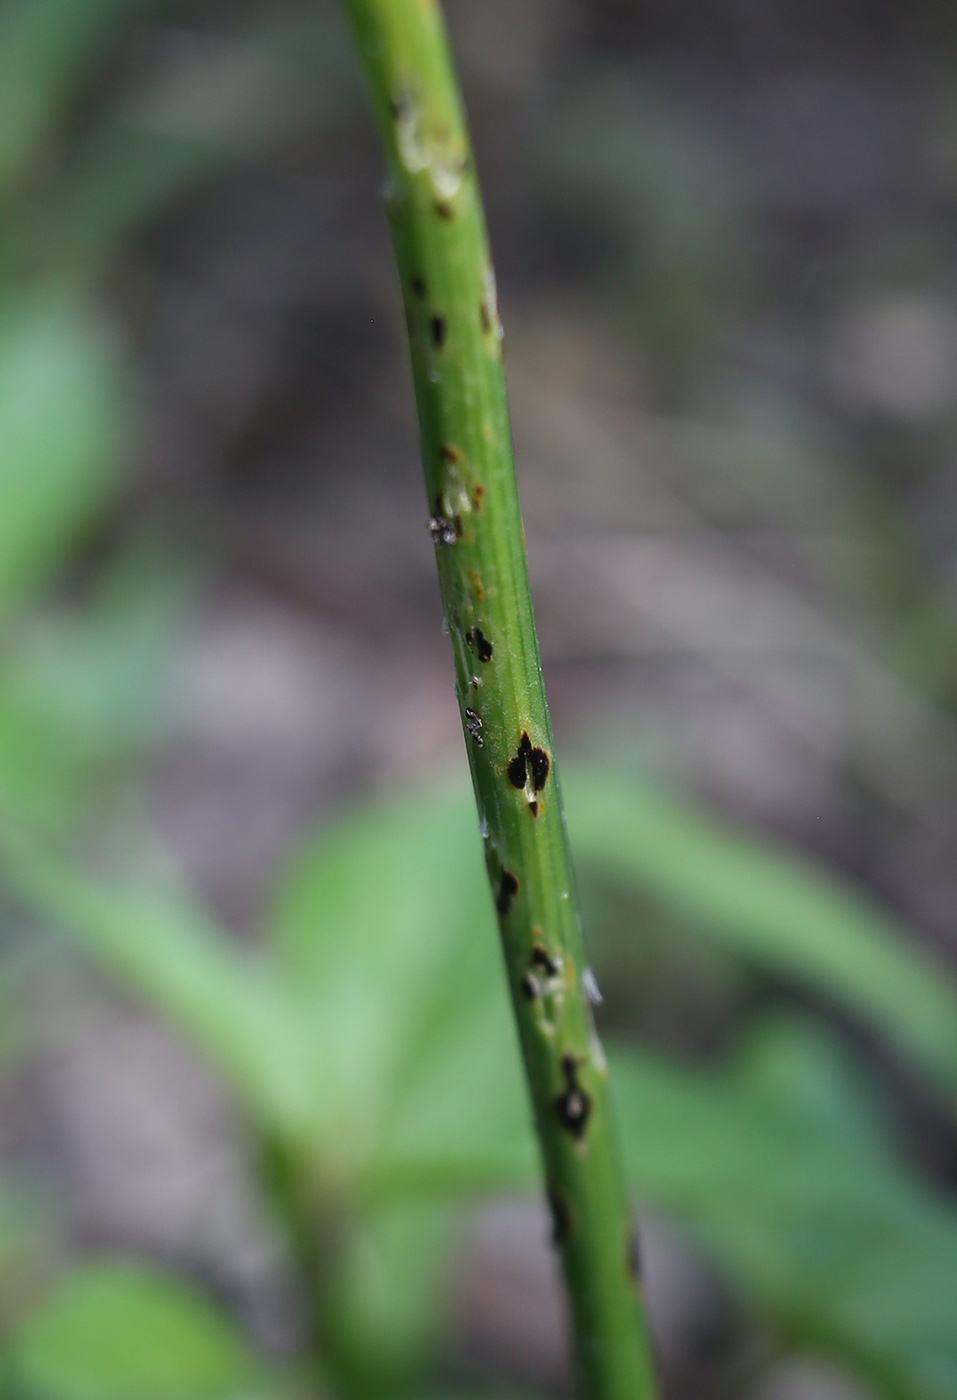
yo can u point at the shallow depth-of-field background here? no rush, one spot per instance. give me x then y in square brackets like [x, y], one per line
[262, 1129]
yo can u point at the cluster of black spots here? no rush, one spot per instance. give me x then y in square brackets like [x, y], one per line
[561, 1213]
[530, 988]
[443, 530]
[543, 959]
[418, 287]
[572, 1105]
[437, 327]
[444, 209]
[529, 763]
[482, 647]
[508, 887]
[474, 726]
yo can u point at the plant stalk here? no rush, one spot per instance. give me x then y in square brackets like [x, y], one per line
[455, 338]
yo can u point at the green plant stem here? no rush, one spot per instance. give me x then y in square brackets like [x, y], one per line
[455, 339]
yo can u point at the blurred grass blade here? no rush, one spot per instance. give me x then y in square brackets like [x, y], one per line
[775, 1167]
[781, 910]
[167, 949]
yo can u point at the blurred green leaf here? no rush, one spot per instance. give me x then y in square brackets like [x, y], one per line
[45, 48]
[387, 931]
[84, 686]
[381, 1320]
[774, 1164]
[123, 1331]
[382, 1026]
[62, 424]
[163, 945]
[776, 908]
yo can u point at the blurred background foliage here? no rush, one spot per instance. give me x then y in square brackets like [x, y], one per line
[262, 1130]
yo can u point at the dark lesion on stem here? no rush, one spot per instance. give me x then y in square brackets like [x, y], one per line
[508, 886]
[573, 1104]
[479, 644]
[543, 959]
[530, 764]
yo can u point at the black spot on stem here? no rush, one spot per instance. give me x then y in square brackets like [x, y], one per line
[542, 958]
[443, 530]
[437, 325]
[529, 763]
[479, 643]
[444, 209]
[508, 886]
[573, 1104]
